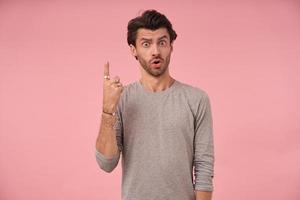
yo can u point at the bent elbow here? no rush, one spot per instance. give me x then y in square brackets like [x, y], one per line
[107, 168]
[105, 163]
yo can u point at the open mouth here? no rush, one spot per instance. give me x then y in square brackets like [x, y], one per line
[156, 61]
[156, 64]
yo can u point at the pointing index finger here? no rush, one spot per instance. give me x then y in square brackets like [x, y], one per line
[106, 69]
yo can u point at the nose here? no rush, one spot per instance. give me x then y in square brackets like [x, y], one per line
[155, 50]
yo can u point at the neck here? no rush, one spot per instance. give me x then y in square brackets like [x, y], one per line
[157, 84]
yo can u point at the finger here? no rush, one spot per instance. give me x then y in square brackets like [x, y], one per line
[116, 79]
[106, 69]
[119, 84]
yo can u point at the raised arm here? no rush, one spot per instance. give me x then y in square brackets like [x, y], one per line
[107, 152]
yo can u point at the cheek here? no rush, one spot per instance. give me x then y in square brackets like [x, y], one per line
[166, 52]
[143, 53]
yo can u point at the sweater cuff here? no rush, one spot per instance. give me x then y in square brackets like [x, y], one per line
[204, 183]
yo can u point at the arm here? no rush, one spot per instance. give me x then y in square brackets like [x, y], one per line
[107, 153]
[107, 150]
[106, 142]
[203, 150]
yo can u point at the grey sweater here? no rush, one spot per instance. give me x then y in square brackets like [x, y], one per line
[166, 142]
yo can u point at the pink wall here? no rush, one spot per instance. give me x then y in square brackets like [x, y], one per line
[245, 54]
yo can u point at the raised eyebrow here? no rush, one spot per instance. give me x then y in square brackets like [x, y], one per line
[146, 39]
[163, 37]
[160, 38]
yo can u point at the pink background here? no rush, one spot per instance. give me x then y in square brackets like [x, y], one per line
[245, 54]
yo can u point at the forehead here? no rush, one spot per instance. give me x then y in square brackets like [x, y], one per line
[152, 34]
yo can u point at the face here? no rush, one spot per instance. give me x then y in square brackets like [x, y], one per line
[153, 50]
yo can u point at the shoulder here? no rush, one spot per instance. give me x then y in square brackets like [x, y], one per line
[196, 97]
[129, 93]
[130, 89]
[131, 86]
[192, 92]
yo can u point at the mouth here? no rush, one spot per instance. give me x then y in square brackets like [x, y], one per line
[156, 62]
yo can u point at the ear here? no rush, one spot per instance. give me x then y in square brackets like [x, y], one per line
[171, 47]
[133, 50]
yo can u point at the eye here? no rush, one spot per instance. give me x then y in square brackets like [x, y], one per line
[145, 44]
[163, 43]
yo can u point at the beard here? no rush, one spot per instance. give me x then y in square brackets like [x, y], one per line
[152, 71]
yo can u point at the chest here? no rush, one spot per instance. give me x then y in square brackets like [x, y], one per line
[171, 115]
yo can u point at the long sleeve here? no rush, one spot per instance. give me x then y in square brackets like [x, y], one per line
[108, 164]
[203, 146]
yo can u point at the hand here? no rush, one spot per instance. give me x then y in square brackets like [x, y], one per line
[112, 89]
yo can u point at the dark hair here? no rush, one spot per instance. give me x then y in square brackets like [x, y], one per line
[150, 19]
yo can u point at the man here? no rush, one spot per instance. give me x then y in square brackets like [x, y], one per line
[162, 127]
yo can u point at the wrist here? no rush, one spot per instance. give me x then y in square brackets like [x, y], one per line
[108, 108]
[108, 113]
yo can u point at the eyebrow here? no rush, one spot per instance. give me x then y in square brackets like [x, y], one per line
[160, 38]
